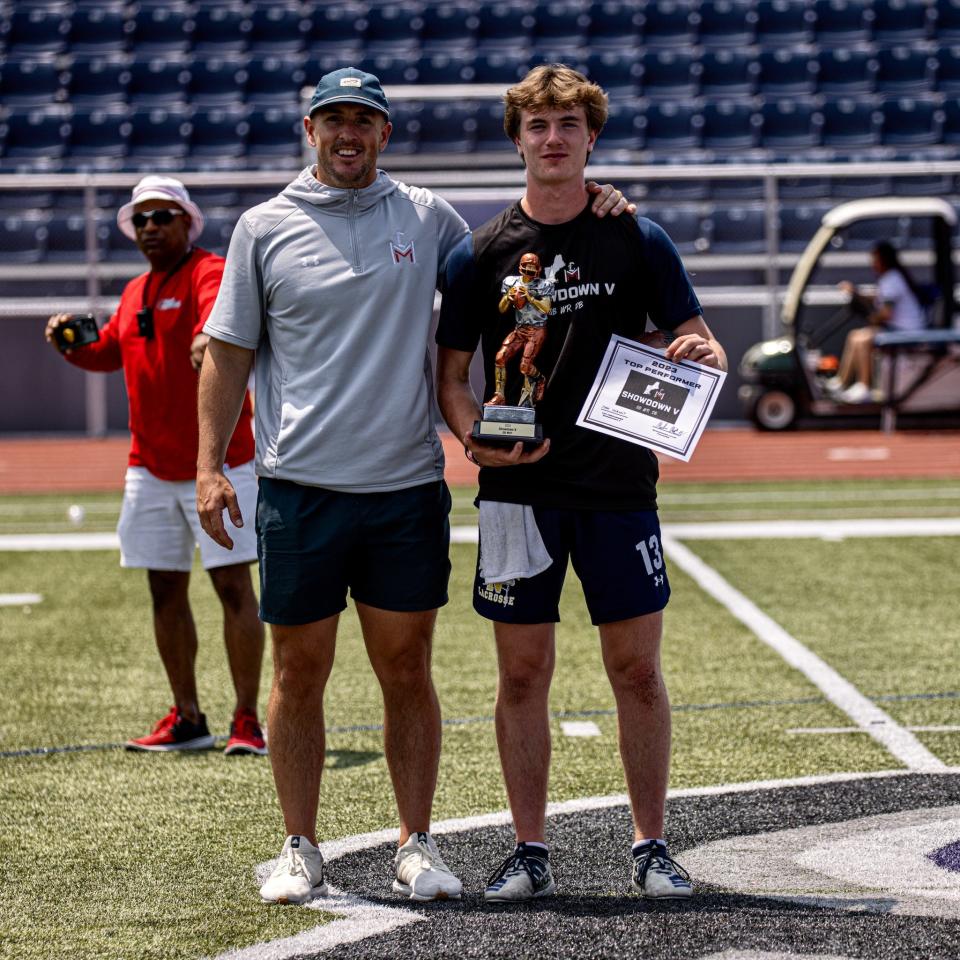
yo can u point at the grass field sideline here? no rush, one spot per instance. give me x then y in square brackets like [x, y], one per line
[154, 855]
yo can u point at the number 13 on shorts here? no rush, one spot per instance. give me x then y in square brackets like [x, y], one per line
[652, 557]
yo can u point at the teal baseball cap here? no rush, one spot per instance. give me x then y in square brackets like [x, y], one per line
[350, 85]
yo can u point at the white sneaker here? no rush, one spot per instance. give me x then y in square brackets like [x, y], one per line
[298, 876]
[657, 876]
[421, 872]
[856, 393]
[833, 384]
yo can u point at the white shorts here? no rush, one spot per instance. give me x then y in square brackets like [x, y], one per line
[159, 528]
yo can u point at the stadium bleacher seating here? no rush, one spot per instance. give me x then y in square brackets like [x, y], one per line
[947, 21]
[67, 238]
[730, 125]
[671, 127]
[727, 73]
[688, 230]
[277, 30]
[727, 23]
[851, 124]
[200, 54]
[737, 230]
[842, 23]
[911, 123]
[504, 25]
[158, 80]
[219, 29]
[98, 140]
[98, 29]
[137, 85]
[845, 73]
[98, 81]
[448, 127]
[902, 21]
[30, 83]
[798, 224]
[448, 27]
[159, 138]
[905, 70]
[672, 23]
[614, 24]
[161, 29]
[31, 31]
[218, 136]
[34, 140]
[26, 235]
[786, 72]
[790, 126]
[670, 74]
[275, 80]
[782, 23]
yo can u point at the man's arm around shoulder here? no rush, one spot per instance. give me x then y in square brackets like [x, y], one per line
[223, 383]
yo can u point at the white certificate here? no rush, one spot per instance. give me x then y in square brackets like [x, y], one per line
[642, 397]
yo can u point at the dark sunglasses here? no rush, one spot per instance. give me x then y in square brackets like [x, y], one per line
[161, 218]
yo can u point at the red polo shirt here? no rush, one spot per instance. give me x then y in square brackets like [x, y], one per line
[161, 381]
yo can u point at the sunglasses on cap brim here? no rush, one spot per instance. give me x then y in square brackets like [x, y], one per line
[160, 218]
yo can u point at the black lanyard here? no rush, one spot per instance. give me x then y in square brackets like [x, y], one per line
[145, 313]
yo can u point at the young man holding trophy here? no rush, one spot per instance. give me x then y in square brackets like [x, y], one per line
[578, 494]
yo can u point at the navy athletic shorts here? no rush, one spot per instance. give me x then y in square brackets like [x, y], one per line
[617, 556]
[390, 550]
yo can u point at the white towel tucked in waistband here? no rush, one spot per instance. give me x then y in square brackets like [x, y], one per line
[511, 547]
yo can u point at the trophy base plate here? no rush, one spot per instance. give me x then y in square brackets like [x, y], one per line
[507, 432]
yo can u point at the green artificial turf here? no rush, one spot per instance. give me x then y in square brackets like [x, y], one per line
[679, 502]
[882, 612]
[110, 854]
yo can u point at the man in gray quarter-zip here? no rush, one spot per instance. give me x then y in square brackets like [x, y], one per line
[332, 283]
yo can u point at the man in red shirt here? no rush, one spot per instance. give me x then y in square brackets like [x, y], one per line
[155, 337]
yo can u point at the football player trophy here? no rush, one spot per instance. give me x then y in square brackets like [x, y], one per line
[530, 296]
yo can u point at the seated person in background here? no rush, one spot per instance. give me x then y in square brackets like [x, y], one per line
[896, 305]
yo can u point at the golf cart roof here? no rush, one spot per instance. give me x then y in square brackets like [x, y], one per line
[847, 213]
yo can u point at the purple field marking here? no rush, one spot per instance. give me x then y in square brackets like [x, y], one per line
[948, 857]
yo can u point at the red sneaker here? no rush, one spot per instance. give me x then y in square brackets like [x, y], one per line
[175, 732]
[246, 735]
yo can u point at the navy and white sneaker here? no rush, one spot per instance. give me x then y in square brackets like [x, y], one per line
[524, 875]
[657, 876]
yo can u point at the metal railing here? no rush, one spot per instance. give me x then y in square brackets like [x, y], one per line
[461, 187]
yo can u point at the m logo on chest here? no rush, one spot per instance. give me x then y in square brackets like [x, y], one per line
[401, 249]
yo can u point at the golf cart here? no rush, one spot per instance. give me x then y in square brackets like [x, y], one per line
[784, 380]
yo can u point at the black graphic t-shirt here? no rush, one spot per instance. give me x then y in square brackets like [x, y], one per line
[609, 276]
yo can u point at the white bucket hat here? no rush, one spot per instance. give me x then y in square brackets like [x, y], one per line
[160, 188]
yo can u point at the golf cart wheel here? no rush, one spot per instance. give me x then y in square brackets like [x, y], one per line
[775, 410]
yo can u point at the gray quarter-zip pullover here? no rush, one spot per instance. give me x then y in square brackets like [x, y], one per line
[334, 290]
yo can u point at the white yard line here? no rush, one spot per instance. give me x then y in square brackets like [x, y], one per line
[945, 728]
[20, 599]
[21, 542]
[579, 728]
[839, 691]
[360, 919]
[816, 529]
[711, 497]
[739, 530]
